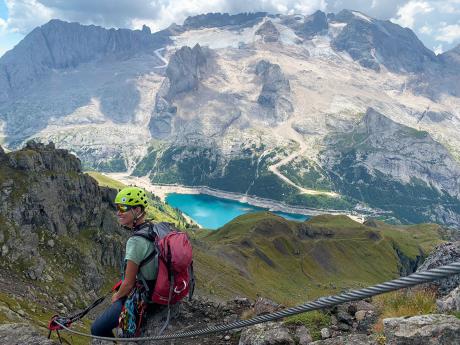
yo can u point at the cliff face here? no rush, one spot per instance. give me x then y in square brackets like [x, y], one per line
[57, 226]
[396, 167]
[61, 45]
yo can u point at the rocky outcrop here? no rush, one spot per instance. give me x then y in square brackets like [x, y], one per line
[22, 334]
[185, 70]
[46, 204]
[269, 32]
[62, 45]
[373, 43]
[392, 166]
[275, 94]
[449, 303]
[354, 339]
[210, 20]
[435, 329]
[269, 333]
[443, 254]
[314, 24]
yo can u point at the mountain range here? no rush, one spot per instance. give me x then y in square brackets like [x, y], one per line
[323, 110]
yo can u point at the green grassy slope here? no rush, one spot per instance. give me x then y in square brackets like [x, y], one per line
[292, 262]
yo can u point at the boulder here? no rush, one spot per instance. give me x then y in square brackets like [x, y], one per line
[443, 254]
[269, 333]
[353, 339]
[303, 335]
[265, 306]
[450, 303]
[435, 329]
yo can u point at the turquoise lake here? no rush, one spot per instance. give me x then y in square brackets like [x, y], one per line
[212, 212]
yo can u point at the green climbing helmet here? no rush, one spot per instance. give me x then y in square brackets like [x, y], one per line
[132, 196]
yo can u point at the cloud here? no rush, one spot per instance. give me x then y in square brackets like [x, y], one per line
[426, 30]
[406, 14]
[448, 33]
[24, 15]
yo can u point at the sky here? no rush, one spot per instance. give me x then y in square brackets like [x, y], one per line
[435, 22]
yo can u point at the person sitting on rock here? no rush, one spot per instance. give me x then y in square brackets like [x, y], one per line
[131, 203]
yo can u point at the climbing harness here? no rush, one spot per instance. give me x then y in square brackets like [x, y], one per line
[323, 302]
[131, 316]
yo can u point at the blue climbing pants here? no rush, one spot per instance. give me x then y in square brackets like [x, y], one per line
[108, 320]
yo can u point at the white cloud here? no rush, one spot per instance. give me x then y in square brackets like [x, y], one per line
[24, 15]
[448, 33]
[426, 30]
[406, 14]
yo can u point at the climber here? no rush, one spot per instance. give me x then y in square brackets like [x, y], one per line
[131, 204]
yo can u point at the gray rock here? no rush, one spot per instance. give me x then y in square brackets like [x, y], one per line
[325, 333]
[185, 69]
[269, 32]
[353, 339]
[374, 42]
[22, 334]
[275, 94]
[62, 45]
[449, 303]
[303, 335]
[269, 333]
[435, 329]
[387, 158]
[443, 254]
[265, 306]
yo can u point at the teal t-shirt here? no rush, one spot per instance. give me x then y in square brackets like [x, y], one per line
[137, 249]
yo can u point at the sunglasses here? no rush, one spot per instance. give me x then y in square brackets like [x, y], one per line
[123, 208]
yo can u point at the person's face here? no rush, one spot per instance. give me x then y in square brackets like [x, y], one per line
[126, 214]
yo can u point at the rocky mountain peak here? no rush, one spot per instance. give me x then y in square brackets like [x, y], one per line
[374, 43]
[37, 157]
[185, 69]
[268, 31]
[223, 19]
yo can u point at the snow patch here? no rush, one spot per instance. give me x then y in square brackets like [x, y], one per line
[362, 16]
[287, 35]
[216, 38]
[335, 29]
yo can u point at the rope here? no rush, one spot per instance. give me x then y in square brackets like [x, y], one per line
[323, 302]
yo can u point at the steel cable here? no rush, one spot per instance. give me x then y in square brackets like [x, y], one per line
[322, 302]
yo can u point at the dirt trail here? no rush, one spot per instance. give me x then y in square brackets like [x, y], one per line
[287, 131]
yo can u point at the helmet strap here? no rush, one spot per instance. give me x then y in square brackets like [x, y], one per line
[136, 217]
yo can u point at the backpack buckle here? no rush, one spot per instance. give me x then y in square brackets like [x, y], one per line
[176, 291]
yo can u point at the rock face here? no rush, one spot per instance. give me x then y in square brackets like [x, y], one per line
[275, 90]
[355, 339]
[223, 19]
[185, 70]
[374, 42]
[46, 200]
[444, 254]
[62, 45]
[269, 32]
[450, 303]
[22, 334]
[435, 329]
[269, 333]
[379, 152]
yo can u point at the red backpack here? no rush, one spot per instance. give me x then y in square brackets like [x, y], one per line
[172, 262]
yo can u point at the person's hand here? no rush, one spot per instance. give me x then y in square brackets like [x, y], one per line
[115, 297]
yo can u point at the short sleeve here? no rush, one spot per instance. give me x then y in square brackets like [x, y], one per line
[136, 249]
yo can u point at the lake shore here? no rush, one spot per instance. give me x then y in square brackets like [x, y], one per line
[162, 190]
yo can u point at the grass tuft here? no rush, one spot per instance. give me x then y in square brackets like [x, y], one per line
[409, 302]
[313, 320]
